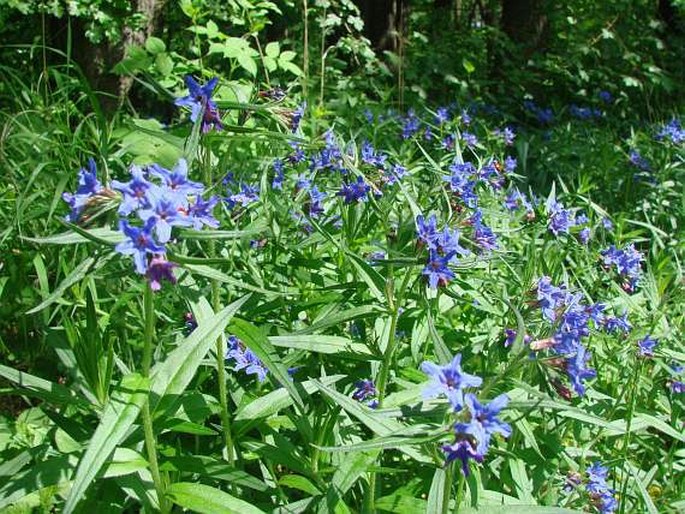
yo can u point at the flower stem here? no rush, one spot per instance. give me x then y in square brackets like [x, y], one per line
[220, 344]
[150, 443]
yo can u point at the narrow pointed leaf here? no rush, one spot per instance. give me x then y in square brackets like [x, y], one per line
[119, 414]
[208, 500]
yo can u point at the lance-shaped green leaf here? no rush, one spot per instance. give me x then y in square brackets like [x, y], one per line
[321, 344]
[171, 376]
[262, 348]
[349, 471]
[77, 274]
[101, 235]
[51, 472]
[208, 500]
[42, 388]
[374, 420]
[271, 403]
[119, 414]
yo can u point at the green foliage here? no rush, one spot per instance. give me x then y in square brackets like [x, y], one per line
[115, 398]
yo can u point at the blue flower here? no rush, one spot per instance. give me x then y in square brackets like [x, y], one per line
[483, 423]
[160, 269]
[355, 191]
[177, 179]
[244, 358]
[442, 115]
[410, 125]
[673, 131]
[165, 209]
[296, 117]
[140, 242]
[560, 219]
[449, 380]
[279, 175]
[627, 262]
[134, 192]
[510, 164]
[88, 186]
[646, 346]
[577, 370]
[436, 269]
[620, 323]
[364, 389]
[601, 494]
[550, 298]
[639, 161]
[507, 134]
[464, 450]
[605, 97]
[427, 231]
[200, 212]
[200, 101]
[470, 139]
[248, 194]
[584, 235]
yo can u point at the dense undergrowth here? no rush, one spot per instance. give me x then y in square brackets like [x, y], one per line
[255, 304]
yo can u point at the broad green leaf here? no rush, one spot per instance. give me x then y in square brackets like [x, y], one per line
[247, 63]
[172, 376]
[272, 49]
[208, 500]
[119, 414]
[154, 45]
[51, 472]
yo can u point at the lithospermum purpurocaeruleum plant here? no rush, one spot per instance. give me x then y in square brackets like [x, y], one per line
[294, 316]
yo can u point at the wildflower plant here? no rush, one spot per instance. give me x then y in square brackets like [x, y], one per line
[285, 312]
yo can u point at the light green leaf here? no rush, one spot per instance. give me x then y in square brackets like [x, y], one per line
[172, 376]
[77, 274]
[119, 414]
[154, 45]
[247, 63]
[320, 344]
[272, 49]
[262, 348]
[208, 500]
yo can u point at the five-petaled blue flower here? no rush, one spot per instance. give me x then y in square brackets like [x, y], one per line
[200, 102]
[449, 380]
[139, 243]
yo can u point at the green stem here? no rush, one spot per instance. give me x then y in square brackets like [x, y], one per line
[629, 422]
[447, 491]
[460, 492]
[150, 442]
[220, 345]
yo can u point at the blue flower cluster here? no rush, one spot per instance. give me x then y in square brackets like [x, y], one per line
[571, 319]
[476, 422]
[601, 495]
[672, 130]
[585, 113]
[627, 261]
[544, 115]
[443, 247]
[158, 205]
[244, 359]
